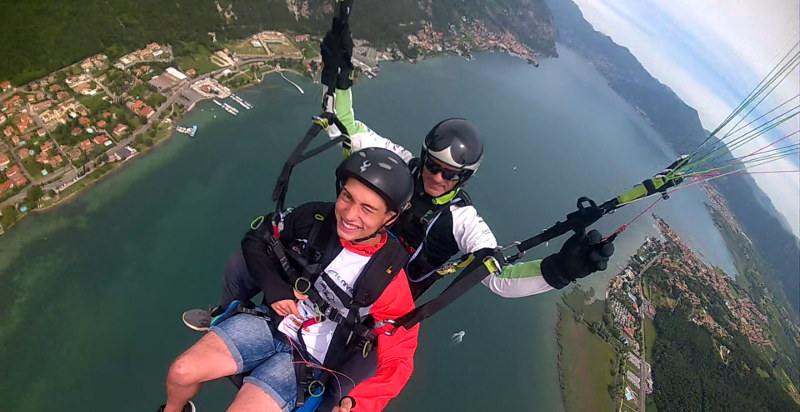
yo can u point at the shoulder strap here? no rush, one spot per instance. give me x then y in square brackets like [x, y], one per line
[379, 271]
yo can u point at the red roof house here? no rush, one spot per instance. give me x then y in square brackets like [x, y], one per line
[86, 145]
[100, 139]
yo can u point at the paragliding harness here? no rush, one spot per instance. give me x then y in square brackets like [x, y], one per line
[482, 263]
[417, 223]
[354, 333]
[475, 266]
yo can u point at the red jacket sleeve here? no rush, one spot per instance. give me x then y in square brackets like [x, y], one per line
[395, 352]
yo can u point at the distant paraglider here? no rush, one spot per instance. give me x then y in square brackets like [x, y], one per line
[457, 338]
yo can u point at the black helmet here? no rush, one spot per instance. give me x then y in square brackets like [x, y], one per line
[383, 171]
[454, 142]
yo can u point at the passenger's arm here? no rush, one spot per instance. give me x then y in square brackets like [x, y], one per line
[395, 352]
[361, 136]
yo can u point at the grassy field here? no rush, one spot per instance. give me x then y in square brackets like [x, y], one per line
[199, 61]
[649, 339]
[586, 363]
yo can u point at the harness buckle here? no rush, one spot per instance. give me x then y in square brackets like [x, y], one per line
[299, 281]
[382, 329]
[516, 256]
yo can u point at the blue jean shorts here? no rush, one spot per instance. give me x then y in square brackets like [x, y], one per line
[269, 360]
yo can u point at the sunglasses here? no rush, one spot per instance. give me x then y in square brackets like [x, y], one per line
[452, 175]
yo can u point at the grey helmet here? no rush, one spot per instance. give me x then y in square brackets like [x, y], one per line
[454, 142]
[383, 171]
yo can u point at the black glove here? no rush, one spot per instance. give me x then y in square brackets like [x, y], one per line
[337, 55]
[331, 57]
[345, 78]
[579, 256]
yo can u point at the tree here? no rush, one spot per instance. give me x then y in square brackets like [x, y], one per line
[34, 193]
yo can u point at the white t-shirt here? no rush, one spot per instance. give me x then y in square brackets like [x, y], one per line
[344, 270]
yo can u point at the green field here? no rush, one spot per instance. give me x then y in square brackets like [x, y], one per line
[586, 366]
[198, 60]
[649, 339]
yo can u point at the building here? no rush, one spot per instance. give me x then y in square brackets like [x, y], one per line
[6, 85]
[56, 160]
[4, 160]
[120, 129]
[75, 154]
[102, 140]
[124, 153]
[147, 112]
[86, 145]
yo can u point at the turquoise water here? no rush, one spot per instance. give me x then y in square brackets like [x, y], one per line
[93, 291]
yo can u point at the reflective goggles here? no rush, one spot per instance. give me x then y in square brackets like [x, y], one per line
[447, 174]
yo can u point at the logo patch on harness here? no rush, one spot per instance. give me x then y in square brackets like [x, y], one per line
[365, 165]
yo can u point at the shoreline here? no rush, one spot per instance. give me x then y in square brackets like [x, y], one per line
[279, 70]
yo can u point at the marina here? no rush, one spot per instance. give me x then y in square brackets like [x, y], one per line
[241, 102]
[228, 108]
[189, 131]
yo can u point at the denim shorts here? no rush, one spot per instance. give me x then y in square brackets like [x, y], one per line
[269, 360]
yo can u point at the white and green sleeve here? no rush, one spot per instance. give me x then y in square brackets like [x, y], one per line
[361, 136]
[519, 280]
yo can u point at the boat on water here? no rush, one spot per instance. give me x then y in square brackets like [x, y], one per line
[190, 131]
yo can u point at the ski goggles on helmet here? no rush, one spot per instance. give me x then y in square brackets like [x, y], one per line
[447, 174]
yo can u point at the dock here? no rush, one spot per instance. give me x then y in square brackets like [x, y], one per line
[293, 83]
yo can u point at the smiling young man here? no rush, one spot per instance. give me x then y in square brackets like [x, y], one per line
[329, 272]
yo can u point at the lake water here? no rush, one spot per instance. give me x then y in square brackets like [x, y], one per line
[92, 292]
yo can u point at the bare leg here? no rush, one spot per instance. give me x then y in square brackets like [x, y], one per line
[206, 360]
[252, 399]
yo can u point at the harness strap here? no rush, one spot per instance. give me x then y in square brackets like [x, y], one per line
[485, 263]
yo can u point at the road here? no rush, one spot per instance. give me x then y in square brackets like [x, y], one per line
[642, 369]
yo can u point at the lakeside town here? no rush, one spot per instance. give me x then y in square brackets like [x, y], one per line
[666, 276]
[66, 130]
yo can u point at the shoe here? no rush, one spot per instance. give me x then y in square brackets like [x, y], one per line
[201, 320]
[189, 407]
[197, 319]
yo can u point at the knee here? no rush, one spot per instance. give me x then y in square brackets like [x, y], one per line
[183, 372]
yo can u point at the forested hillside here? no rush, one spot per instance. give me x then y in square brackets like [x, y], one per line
[690, 375]
[42, 36]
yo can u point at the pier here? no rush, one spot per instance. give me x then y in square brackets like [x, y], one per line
[278, 67]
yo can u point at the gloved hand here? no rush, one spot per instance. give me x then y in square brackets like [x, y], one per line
[331, 57]
[345, 78]
[579, 256]
[337, 55]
